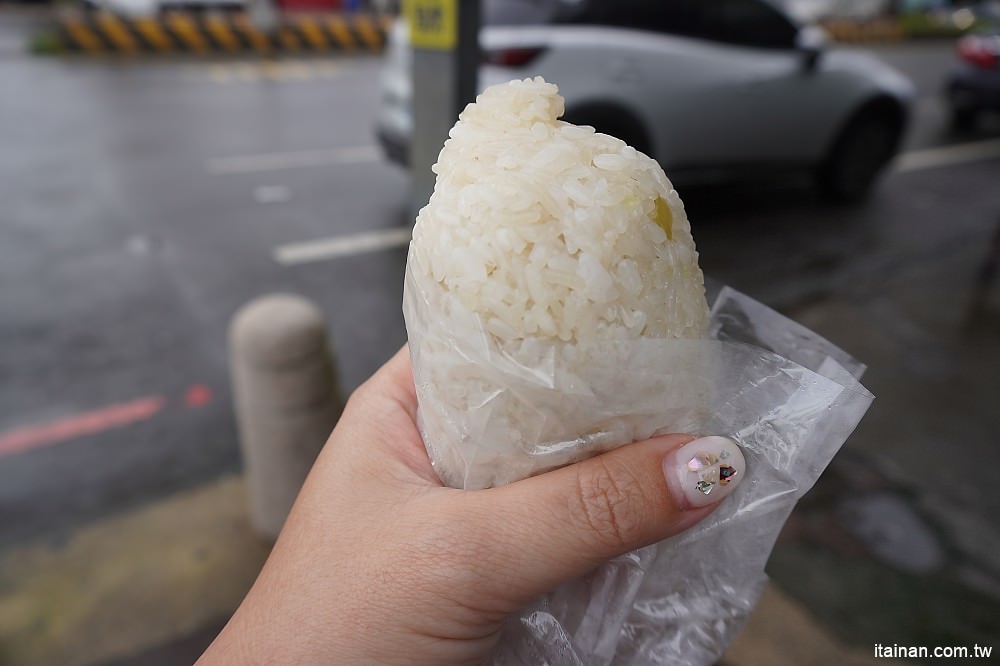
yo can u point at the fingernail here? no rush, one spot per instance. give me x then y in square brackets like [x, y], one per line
[704, 471]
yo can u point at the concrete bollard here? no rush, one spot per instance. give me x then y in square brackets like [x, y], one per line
[286, 399]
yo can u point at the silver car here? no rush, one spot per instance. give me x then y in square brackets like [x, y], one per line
[712, 89]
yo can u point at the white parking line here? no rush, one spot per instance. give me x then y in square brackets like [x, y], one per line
[293, 159]
[384, 239]
[913, 160]
[946, 155]
[341, 246]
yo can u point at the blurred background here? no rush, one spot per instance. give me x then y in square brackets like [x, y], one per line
[162, 164]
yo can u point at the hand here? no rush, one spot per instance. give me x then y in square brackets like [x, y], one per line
[379, 563]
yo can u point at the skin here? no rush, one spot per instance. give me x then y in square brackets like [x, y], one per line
[380, 563]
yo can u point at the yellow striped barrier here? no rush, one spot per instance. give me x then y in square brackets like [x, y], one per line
[82, 36]
[256, 38]
[181, 32]
[222, 33]
[154, 34]
[338, 28]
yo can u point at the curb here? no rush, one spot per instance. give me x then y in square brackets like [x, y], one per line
[181, 32]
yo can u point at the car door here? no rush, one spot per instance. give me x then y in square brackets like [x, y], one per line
[721, 83]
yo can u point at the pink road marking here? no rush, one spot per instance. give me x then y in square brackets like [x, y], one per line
[87, 423]
[197, 396]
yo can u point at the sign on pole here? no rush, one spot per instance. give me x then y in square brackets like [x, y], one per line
[433, 24]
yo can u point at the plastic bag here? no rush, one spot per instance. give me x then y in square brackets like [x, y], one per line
[492, 413]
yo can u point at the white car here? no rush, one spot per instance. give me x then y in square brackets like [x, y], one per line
[712, 89]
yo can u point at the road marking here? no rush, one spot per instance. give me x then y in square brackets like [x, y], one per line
[247, 72]
[198, 396]
[224, 73]
[913, 160]
[341, 246]
[296, 69]
[220, 73]
[960, 153]
[372, 241]
[326, 70]
[98, 420]
[87, 423]
[293, 160]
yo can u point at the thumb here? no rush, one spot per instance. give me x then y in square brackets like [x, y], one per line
[557, 526]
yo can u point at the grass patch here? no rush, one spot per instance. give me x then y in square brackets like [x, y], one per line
[45, 43]
[923, 26]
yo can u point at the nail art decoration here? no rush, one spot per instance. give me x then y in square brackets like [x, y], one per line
[706, 470]
[701, 461]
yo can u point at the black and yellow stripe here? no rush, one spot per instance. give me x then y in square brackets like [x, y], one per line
[179, 32]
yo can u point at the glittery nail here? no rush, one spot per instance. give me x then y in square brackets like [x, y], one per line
[697, 475]
[701, 461]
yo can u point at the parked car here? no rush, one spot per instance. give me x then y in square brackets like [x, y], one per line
[713, 90]
[973, 85]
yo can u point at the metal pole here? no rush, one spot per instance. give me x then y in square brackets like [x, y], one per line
[444, 36]
[467, 54]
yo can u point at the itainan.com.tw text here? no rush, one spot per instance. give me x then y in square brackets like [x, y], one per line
[897, 651]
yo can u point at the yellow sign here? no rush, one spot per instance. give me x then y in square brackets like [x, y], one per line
[433, 23]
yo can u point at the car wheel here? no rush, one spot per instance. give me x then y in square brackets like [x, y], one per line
[963, 118]
[860, 153]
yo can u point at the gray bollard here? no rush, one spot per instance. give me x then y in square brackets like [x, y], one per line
[286, 399]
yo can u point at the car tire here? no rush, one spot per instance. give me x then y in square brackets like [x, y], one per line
[964, 118]
[859, 155]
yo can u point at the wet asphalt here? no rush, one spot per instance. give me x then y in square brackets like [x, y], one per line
[125, 250]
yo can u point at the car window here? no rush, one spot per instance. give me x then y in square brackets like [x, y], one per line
[540, 12]
[677, 17]
[749, 23]
[744, 22]
[524, 12]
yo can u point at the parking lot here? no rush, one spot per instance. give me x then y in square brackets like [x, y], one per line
[145, 201]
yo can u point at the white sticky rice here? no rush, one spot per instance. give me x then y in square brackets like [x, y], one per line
[541, 239]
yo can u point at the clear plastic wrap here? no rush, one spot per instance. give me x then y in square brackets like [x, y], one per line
[492, 413]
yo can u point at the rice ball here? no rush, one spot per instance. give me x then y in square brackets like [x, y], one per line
[542, 244]
[552, 230]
